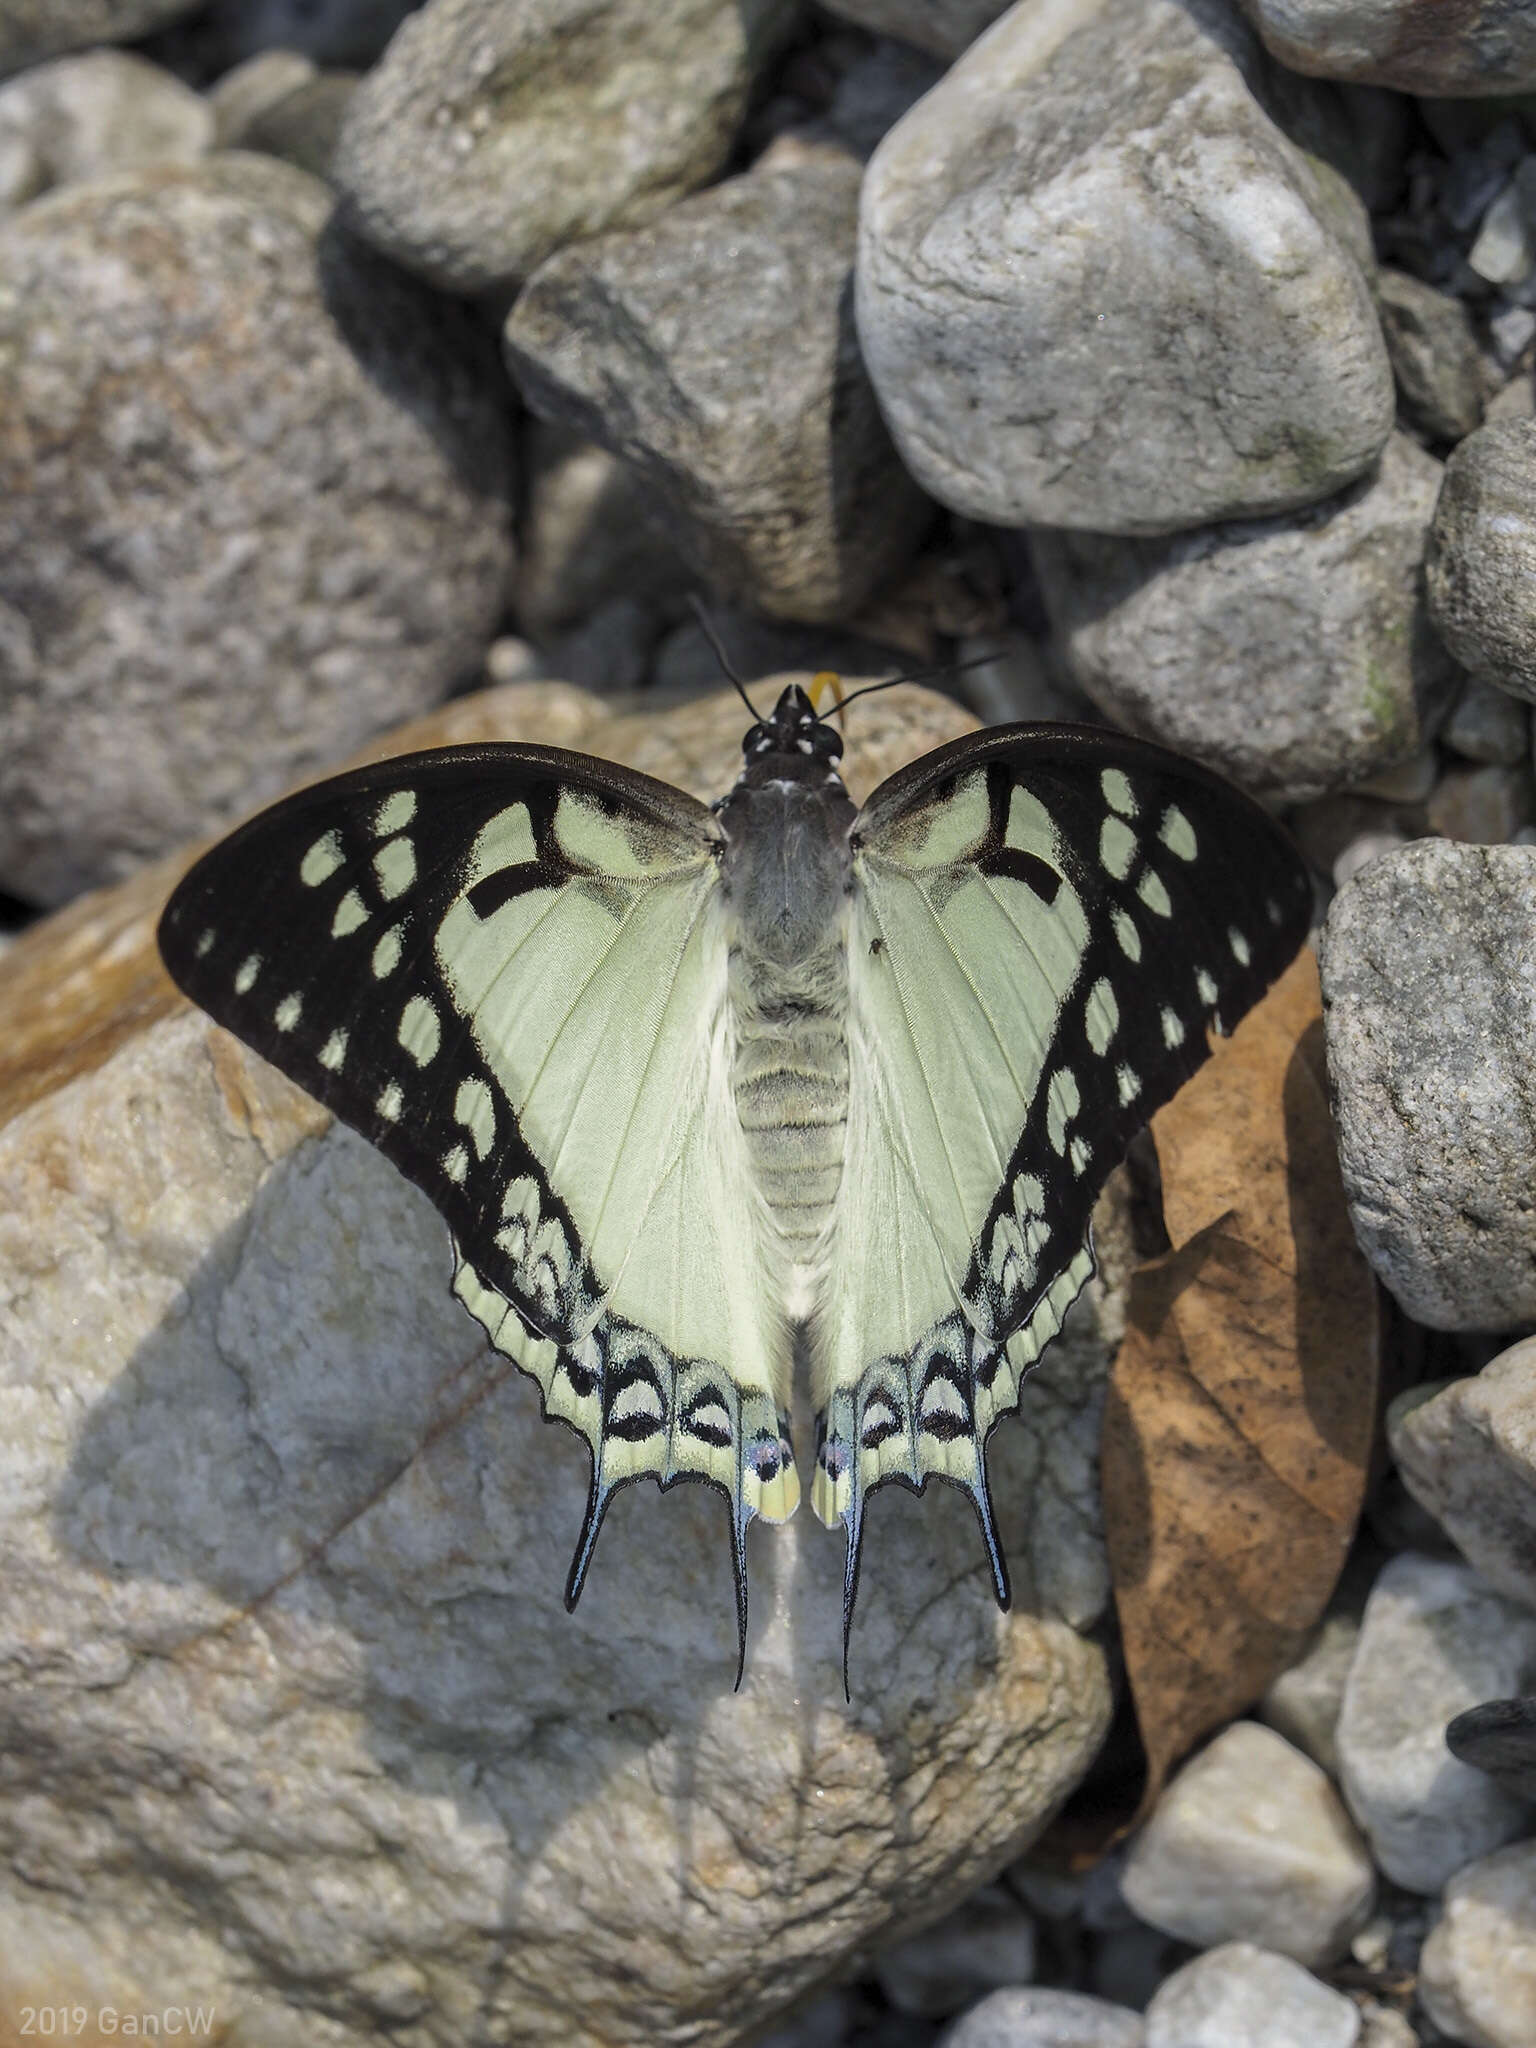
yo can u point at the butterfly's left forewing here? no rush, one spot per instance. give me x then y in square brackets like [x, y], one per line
[1046, 925]
[506, 966]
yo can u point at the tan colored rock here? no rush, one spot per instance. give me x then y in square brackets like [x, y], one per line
[1477, 1971]
[296, 1727]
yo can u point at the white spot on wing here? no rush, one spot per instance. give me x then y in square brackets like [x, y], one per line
[1130, 1085]
[1103, 1016]
[456, 1164]
[351, 911]
[1118, 793]
[420, 1032]
[395, 867]
[334, 1051]
[246, 973]
[1127, 934]
[386, 954]
[321, 861]
[395, 813]
[1207, 987]
[1082, 1152]
[1173, 1029]
[205, 943]
[288, 1012]
[1241, 951]
[638, 1400]
[1117, 847]
[1151, 891]
[1061, 1105]
[390, 1103]
[474, 1109]
[1177, 834]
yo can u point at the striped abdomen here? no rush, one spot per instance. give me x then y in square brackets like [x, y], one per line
[791, 1082]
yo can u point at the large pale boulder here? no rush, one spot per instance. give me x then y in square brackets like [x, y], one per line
[295, 1724]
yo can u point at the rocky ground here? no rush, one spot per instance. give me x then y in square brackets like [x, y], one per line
[1167, 361]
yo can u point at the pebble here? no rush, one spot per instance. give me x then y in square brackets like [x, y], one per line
[713, 351]
[1480, 568]
[1430, 1013]
[31, 30]
[1241, 1996]
[1035, 2017]
[1112, 257]
[272, 519]
[247, 90]
[1290, 653]
[1442, 379]
[1468, 1455]
[1488, 725]
[304, 127]
[1483, 806]
[1499, 1737]
[1477, 1971]
[83, 117]
[1303, 1703]
[330, 32]
[1435, 1639]
[589, 531]
[593, 117]
[1505, 252]
[1417, 46]
[1249, 1840]
[986, 1943]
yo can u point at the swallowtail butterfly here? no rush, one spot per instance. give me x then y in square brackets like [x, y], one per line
[692, 1086]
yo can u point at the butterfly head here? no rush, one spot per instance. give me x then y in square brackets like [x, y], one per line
[793, 735]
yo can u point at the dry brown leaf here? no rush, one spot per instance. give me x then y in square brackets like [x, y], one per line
[1238, 1428]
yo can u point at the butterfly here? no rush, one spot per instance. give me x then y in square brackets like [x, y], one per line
[701, 1089]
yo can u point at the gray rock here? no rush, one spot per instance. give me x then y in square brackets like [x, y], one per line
[715, 353]
[249, 89]
[1036, 2017]
[1480, 569]
[1416, 46]
[1240, 1996]
[1405, 782]
[590, 529]
[1435, 1640]
[1488, 725]
[1291, 653]
[83, 117]
[942, 27]
[1483, 806]
[1076, 322]
[1504, 252]
[987, 1942]
[303, 128]
[1468, 1455]
[1250, 1839]
[31, 30]
[271, 1531]
[1442, 378]
[1477, 1971]
[1430, 1015]
[493, 131]
[1303, 1703]
[253, 507]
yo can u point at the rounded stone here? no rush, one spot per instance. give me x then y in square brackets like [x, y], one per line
[1420, 46]
[1251, 1840]
[31, 30]
[1477, 1971]
[1429, 1005]
[1241, 1996]
[1480, 567]
[253, 507]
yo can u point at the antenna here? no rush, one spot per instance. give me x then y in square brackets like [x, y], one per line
[715, 642]
[920, 675]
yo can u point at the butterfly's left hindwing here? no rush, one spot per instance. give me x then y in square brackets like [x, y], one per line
[1046, 925]
[506, 967]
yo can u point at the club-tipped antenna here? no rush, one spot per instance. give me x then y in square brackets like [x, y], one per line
[921, 675]
[720, 654]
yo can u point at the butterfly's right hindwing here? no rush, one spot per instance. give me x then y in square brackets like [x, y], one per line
[506, 967]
